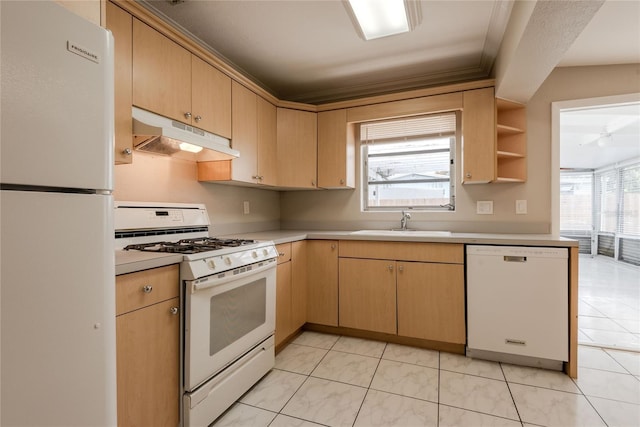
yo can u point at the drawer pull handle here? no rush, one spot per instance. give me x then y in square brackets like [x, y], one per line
[515, 258]
[280, 253]
[174, 310]
[517, 342]
[391, 268]
[147, 289]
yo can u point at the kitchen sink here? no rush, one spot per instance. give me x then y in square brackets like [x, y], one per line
[407, 232]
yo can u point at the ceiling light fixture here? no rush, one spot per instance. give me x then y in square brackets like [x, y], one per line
[374, 19]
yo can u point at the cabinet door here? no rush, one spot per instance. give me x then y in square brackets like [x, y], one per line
[368, 294]
[431, 301]
[297, 134]
[478, 136]
[267, 145]
[336, 151]
[120, 23]
[283, 302]
[210, 98]
[298, 284]
[161, 74]
[322, 282]
[148, 365]
[244, 133]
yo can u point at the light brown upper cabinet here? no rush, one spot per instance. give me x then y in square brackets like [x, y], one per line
[336, 150]
[297, 136]
[170, 81]
[511, 124]
[478, 136]
[210, 98]
[120, 24]
[254, 135]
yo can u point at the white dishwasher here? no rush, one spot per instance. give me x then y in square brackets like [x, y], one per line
[517, 305]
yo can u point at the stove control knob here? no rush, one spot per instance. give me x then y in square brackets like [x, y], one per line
[211, 264]
[265, 252]
[227, 260]
[254, 254]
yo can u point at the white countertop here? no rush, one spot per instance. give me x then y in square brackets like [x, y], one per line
[132, 261]
[285, 236]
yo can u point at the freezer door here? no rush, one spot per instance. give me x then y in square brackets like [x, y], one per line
[57, 98]
[57, 316]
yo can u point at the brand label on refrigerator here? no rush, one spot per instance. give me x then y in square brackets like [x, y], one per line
[82, 51]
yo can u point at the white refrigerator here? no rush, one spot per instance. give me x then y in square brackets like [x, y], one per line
[57, 291]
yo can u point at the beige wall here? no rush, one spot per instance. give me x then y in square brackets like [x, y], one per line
[166, 179]
[159, 178]
[341, 209]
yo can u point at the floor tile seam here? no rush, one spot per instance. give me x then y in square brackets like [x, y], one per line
[613, 400]
[480, 412]
[596, 410]
[626, 371]
[293, 394]
[404, 395]
[355, 354]
[337, 381]
[579, 392]
[601, 397]
[473, 375]
[609, 347]
[375, 371]
[413, 364]
[513, 400]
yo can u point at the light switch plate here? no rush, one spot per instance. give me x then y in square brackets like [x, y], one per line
[245, 207]
[521, 207]
[484, 207]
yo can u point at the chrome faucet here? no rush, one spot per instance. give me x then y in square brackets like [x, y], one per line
[406, 216]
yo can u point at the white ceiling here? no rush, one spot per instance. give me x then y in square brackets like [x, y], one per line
[309, 51]
[595, 137]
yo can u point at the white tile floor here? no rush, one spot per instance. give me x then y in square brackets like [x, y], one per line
[323, 379]
[609, 303]
[331, 380]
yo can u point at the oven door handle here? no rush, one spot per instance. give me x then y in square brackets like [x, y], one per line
[215, 281]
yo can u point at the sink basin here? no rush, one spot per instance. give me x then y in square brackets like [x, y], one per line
[408, 232]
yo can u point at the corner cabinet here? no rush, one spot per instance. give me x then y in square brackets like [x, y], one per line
[148, 347]
[336, 150]
[120, 24]
[297, 138]
[291, 290]
[253, 129]
[511, 151]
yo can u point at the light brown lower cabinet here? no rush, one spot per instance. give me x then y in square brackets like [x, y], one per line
[413, 290]
[431, 301]
[368, 294]
[291, 289]
[322, 282]
[147, 347]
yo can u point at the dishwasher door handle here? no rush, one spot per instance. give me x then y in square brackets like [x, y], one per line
[509, 258]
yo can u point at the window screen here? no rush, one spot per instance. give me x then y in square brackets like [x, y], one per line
[409, 163]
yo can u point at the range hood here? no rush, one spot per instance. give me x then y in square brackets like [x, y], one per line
[159, 135]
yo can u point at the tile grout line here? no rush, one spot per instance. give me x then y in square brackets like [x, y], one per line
[511, 394]
[369, 386]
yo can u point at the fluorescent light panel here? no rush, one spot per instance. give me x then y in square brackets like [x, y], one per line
[380, 18]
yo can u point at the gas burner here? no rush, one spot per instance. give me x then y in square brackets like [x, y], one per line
[189, 246]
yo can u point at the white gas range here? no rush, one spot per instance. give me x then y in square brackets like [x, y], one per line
[227, 297]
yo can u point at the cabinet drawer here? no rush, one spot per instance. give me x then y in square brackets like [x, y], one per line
[450, 253]
[143, 288]
[284, 252]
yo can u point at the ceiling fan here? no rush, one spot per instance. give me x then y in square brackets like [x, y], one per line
[606, 137]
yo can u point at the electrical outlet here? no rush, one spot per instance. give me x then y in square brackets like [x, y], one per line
[484, 207]
[245, 207]
[521, 207]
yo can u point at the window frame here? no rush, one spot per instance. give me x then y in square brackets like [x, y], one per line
[454, 143]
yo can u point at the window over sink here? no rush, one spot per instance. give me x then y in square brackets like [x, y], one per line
[409, 163]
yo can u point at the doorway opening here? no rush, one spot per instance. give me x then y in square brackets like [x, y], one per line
[596, 200]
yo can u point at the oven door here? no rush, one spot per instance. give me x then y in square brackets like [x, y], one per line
[226, 315]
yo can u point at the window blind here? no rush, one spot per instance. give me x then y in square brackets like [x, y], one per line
[629, 214]
[409, 128]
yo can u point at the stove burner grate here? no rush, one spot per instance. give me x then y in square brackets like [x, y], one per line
[189, 246]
